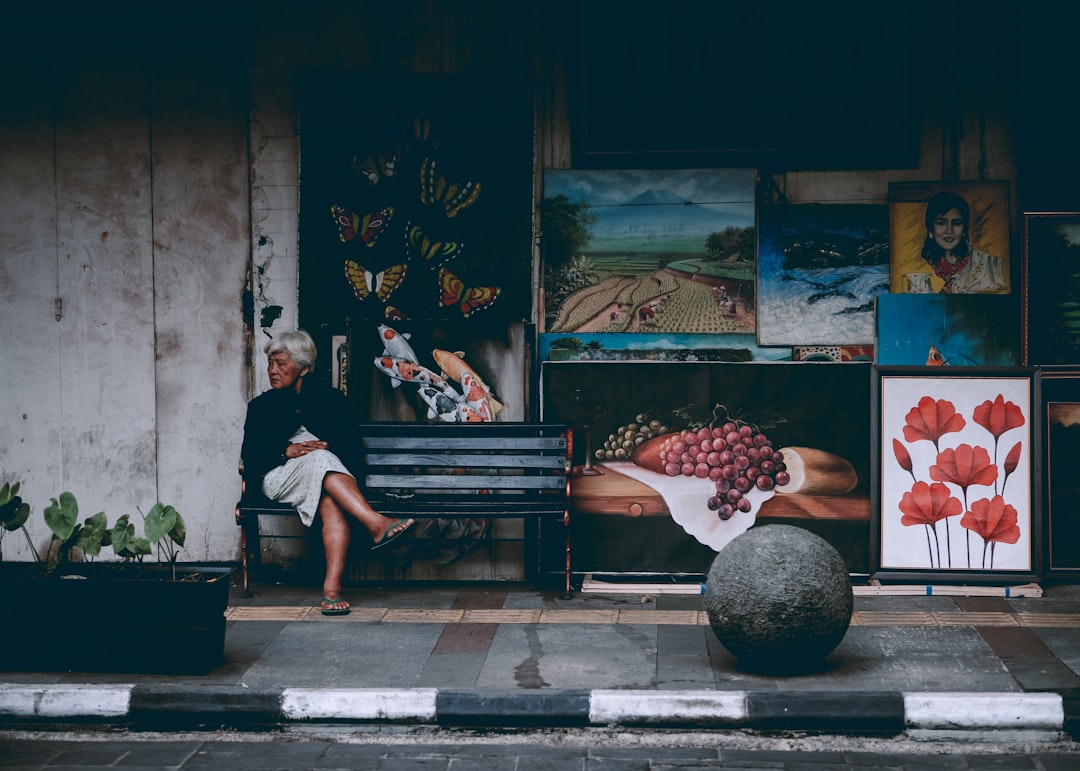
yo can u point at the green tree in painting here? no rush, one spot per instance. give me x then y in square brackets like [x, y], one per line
[566, 230]
[731, 243]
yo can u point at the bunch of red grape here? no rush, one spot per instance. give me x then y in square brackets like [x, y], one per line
[736, 457]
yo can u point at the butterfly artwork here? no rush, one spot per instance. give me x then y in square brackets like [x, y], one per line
[383, 166]
[381, 285]
[367, 228]
[423, 133]
[452, 291]
[452, 196]
[417, 242]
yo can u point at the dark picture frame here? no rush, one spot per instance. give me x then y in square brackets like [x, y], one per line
[1051, 289]
[1060, 469]
[955, 490]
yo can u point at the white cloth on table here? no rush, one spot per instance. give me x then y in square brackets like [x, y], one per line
[299, 482]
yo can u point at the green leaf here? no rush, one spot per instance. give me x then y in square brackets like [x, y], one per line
[122, 534]
[179, 530]
[10, 513]
[61, 516]
[22, 513]
[92, 534]
[140, 546]
[5, 494]
[159, 522]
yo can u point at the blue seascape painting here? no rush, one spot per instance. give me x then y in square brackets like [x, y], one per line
[820, 266]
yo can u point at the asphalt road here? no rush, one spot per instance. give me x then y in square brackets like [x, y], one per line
[388, 750]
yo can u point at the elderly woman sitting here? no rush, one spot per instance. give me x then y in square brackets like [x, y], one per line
[298, 440]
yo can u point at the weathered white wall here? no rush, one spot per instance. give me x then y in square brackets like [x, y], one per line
[124, 197]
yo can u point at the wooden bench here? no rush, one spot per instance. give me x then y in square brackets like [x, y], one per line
[474, 470]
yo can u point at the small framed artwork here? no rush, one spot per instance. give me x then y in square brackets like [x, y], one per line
[1051, 315]
[954, 461]
[947, 330]
[1060, 392]
[950, 237]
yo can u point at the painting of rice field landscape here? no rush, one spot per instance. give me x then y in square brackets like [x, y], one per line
[649, 251]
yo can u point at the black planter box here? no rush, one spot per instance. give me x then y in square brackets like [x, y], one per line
[113, 617]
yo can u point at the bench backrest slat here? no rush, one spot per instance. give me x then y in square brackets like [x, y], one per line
[556, 463]
[469, 481]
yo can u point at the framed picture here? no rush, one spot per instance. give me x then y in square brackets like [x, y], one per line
[950, 237]
[649, 252]
[629, 515]
[1051, 314]
[820, 266]
[1060, 442]
[954, 493]
[947, 330]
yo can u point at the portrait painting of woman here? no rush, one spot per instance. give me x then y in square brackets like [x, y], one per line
[949, 239]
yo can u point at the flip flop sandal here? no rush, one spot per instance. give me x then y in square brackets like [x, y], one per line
[333, 611]
[388, 539]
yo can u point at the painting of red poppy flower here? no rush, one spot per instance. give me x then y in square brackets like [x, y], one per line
[954, 485]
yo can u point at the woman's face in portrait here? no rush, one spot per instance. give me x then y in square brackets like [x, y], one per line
[283, 371]
[948, 229]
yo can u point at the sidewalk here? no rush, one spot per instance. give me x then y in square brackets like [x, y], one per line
[513, 655]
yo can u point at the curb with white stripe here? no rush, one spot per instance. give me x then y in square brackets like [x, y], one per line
[160, 706]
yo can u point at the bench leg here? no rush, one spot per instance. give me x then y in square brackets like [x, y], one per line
[566, 529]
[249, 550]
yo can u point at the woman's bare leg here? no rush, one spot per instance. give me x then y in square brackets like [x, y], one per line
[343, 490]
[335, 535]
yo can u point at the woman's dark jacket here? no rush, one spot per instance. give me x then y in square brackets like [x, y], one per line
[273, 417]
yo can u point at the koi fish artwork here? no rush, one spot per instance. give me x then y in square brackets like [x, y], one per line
[402, 371]
[475, 395]
[400, 364]
[454, 367]
[446, 408]
[396, 344]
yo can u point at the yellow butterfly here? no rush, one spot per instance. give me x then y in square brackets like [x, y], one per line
[417, 242]
[364, 283]
[454, 196]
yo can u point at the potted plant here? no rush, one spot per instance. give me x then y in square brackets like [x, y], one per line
[73, 612]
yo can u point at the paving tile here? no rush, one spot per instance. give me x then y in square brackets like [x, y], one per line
[1064, 643]
[687, 617]
[501, 616]
[893, 618]
[1014, 642]
[451, 670]
[689, 673]
[571, 656]
[976, 618]
[1057, 620]
[682, 640]
[1041, 673]
[579, 617]
[348, 655]
[432, 616]
[466, 638]
[268, 613]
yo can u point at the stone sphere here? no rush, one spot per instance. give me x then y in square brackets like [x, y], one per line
[779, 598]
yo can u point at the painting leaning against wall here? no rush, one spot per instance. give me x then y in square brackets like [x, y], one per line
[649, 251]
[955, 488]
